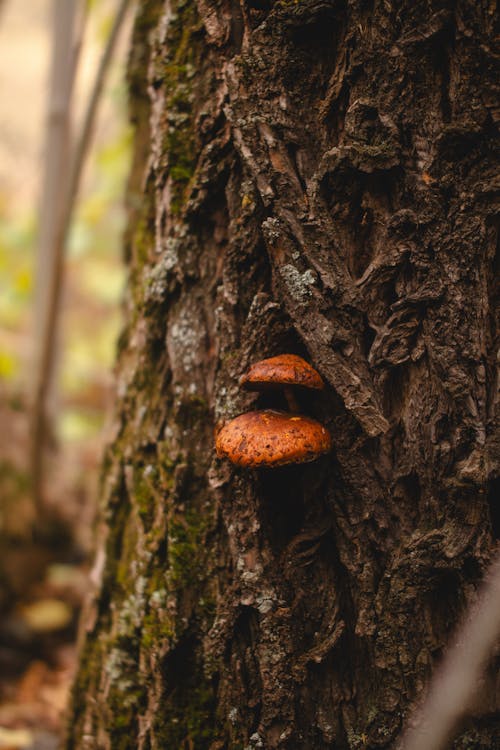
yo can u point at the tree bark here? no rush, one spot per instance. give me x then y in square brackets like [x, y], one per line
[315, 177]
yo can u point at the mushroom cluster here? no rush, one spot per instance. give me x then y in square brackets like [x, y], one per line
[268, 438]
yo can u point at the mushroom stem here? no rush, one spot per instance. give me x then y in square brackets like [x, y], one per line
[292, 402]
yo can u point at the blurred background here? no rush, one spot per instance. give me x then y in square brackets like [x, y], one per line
[46, 524]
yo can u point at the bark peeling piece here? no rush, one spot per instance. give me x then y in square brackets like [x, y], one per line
[272, 438]
[285, 369]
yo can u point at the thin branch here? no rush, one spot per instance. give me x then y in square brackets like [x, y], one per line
[55, 282]
[456, 682]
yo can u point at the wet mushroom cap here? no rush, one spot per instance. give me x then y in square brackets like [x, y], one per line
[272, 438]
[285, 369]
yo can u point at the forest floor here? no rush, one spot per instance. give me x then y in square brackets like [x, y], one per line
[44, 560]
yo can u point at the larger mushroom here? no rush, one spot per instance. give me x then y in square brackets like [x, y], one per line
[271, 438]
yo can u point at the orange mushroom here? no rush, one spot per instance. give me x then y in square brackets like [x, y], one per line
[271, 438]
[285, 369]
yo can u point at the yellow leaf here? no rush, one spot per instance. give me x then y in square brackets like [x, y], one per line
[8, 366]
[47, 615]
[24, 281]
[15, 738]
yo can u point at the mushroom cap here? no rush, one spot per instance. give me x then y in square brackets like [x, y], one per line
[285, 369]
[272, 438]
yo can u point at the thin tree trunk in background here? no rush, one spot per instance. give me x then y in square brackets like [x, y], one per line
[54, 185]
[54, 275]
[314, 177]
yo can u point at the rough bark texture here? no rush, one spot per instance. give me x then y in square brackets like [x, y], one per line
[317, 177]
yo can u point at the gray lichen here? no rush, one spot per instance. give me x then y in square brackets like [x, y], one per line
[298, 284]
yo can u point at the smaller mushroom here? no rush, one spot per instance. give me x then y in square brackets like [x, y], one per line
[285, 370]
[271, 438]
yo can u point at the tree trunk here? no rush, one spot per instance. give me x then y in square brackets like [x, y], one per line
[314, 177]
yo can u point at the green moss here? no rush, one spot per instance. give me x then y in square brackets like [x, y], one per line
[177, 73]
[143, 240]
[127, 698]
[200, 404]
[123, 571]
[186, 549]
[145, 479]
[167, 462]
[187, 721]
[150, 634]
[127, 695]
[231, 357]
[84, 684]
[157, 625]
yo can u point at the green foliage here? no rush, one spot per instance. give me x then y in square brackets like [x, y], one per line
[16, 269]
[16, 282]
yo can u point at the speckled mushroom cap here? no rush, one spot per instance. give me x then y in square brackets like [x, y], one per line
[272, 438]
[285, 369]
